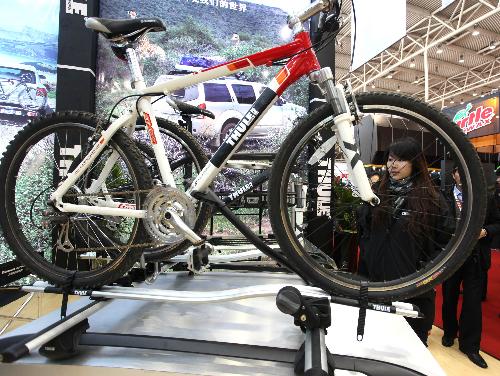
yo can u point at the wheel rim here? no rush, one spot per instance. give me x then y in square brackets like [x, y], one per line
[352, 281]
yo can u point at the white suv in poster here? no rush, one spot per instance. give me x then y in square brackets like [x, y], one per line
[28, 63]
[22, 92]
[230, 99]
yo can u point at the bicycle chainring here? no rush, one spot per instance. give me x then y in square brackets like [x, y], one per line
[157, 202]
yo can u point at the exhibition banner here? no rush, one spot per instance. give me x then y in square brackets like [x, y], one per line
[28, 79]
[28, 63]
[377, 26]
[77, 56]
[477, 118]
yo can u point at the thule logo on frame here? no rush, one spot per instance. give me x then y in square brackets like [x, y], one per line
[242, 126]
[382, 308]
[233, 195]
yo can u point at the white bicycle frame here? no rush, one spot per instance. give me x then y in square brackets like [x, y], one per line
[343, 127]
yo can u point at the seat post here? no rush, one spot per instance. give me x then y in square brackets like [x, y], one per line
[135, 69]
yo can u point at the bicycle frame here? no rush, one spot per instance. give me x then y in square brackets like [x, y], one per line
[302, 61]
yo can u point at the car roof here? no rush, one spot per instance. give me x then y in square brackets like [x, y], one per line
[19, 66]
[167, 77]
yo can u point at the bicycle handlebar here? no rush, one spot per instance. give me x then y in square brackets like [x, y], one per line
[315, 8]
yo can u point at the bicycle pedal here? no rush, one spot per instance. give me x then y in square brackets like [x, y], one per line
[197, 260]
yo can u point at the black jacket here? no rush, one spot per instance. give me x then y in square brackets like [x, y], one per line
[482, 249]
[390, 251]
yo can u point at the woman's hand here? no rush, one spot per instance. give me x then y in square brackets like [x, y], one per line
[483, 233]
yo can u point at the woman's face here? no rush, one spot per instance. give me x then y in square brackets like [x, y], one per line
[398, 169]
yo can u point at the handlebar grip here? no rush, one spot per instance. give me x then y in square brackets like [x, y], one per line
[192, 110]
[207, 113]
[314, 8]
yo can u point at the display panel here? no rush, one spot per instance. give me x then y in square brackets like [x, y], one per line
[28, 63]
[378, 25]
[201, 34]
[28, 72]
[445, 3]
[478, 117]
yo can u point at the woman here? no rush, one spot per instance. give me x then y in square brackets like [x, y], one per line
[409, 227]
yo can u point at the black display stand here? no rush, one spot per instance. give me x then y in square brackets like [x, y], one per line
[77, 55]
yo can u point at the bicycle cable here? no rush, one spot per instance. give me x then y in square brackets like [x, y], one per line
[117, 103]
[354, 37]
[139, 96]
[321, 43]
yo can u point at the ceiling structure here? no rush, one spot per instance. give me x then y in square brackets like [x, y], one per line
[460, 43]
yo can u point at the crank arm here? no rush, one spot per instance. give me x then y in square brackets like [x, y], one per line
[179, 225]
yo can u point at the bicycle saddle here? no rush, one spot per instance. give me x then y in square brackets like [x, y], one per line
[118, 28]
[187, 109]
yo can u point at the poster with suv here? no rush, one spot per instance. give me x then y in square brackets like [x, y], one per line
[28, 71]
[200, 34]
[28, 63]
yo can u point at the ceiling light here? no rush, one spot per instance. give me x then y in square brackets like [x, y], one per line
[412, 63]
[389, 76]
[416, 80]
[452, 101]
[482, 94]
[475, 31]
[461, 58]
[373, 86]
[461, 101]
[398, 89]
[492, 45]
[439, 49]
[474, 93]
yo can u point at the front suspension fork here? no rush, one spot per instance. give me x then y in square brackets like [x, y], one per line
[344, 130]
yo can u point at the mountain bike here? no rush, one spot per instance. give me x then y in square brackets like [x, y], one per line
[81, 206]
[17, 92]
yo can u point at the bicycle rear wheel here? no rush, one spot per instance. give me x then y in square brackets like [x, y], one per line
[82, 249]
[316, 214]
[186, 158]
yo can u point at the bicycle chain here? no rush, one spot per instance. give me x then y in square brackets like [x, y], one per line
[91, 249]
[122, 193]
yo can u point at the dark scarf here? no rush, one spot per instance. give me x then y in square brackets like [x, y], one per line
[399, 189]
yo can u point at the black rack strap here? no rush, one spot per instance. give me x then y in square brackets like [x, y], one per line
[66, 287]
[363, 304]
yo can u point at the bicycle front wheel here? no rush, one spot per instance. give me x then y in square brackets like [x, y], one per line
[322, 225]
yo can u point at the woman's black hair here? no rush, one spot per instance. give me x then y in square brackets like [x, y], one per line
[422, 199]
